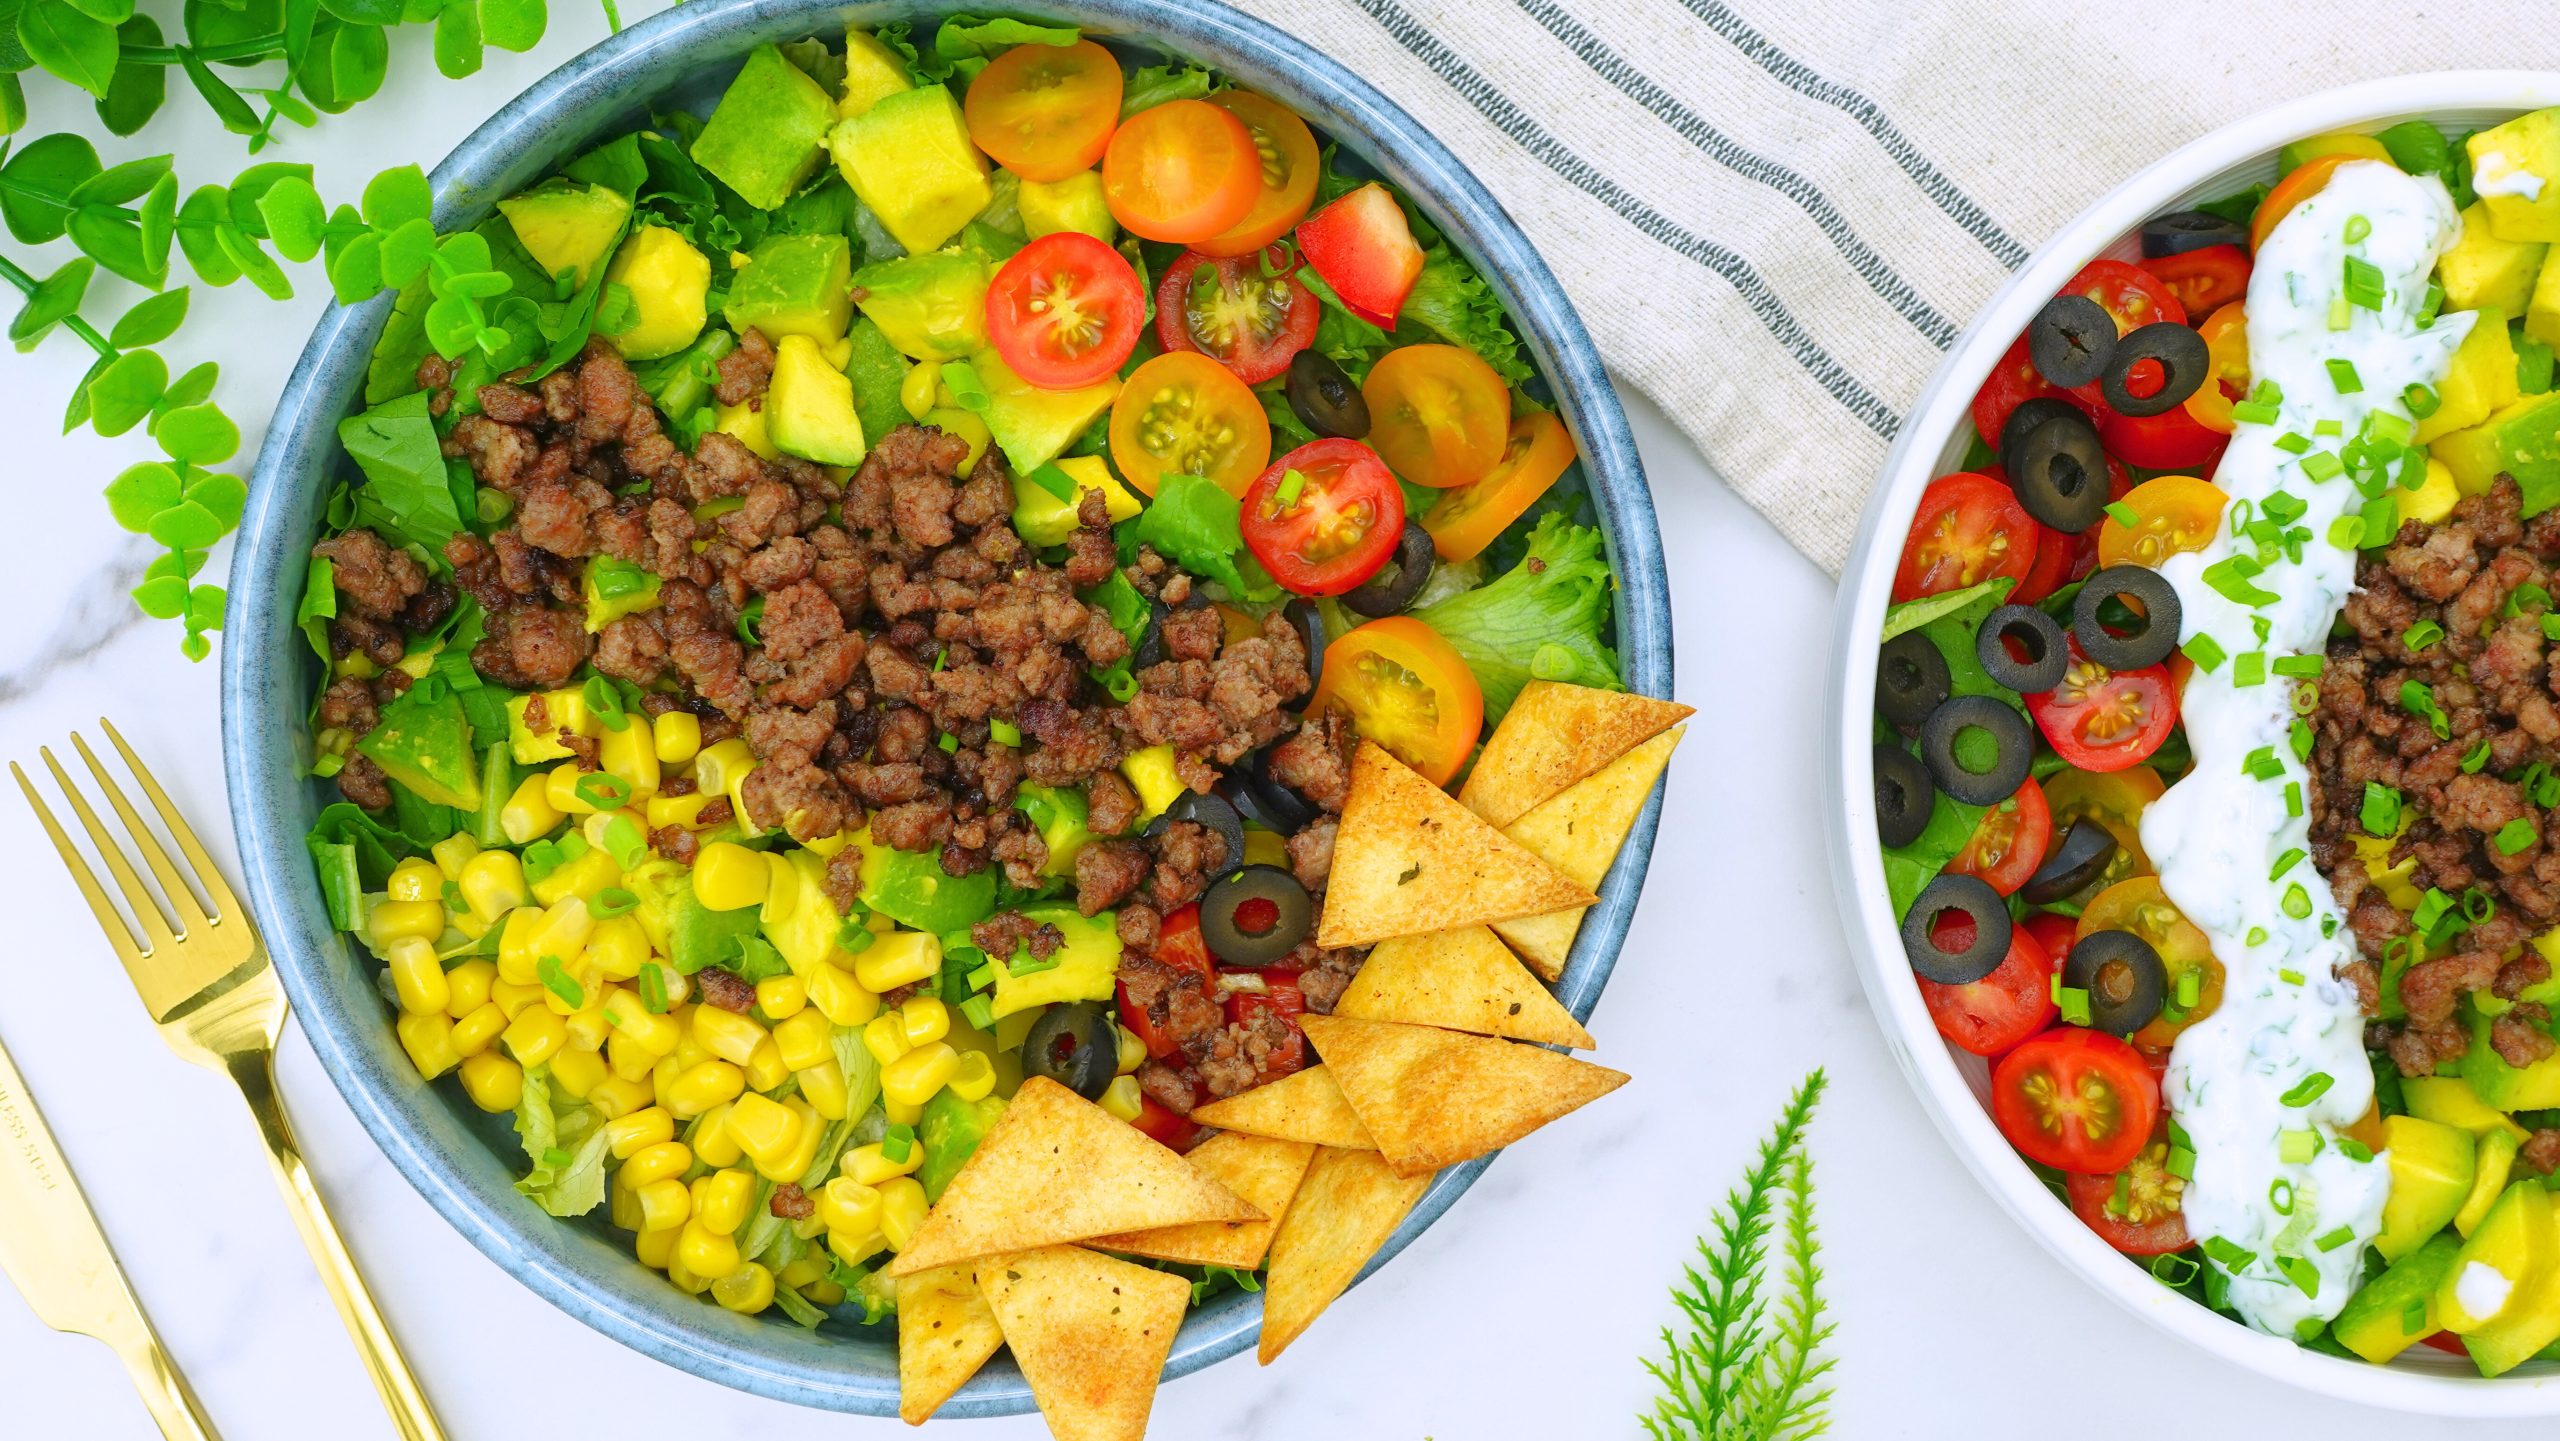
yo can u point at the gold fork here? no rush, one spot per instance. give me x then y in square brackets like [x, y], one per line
[208, 987]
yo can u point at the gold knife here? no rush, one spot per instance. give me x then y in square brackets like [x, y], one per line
[52, 1248]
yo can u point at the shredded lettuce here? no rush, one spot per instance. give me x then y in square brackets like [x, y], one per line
[1542, 620]
[1453, 302]
[963, 44]
[1153, 85]
[407, 498]
[319, 605]
[1194, 523]
[567, 1148]
[1344, 338]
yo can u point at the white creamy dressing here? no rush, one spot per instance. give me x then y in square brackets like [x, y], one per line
[2497, 173]
[2285, 1019]
[2481, 1289]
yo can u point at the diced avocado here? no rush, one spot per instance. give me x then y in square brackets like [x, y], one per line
[2428, 504]
[1151, 774]
[744, 420]
[2542, 313]
[769, 131]
[965, 424]
[669, 281]
[2447, 1099]
[2431, 1173]
[564, 225]
[1035, 426]
[688, 933]
[1044, 519]
[1075, 203]
[878, 373]
[1083, 968]
[808, 411]
[2375, 1323]
[425, 745]
[2521, 440]
[616, 588]
[2483, 271]
[2479, 380]
[872, 73]
[2515, 169]
[2530, 1318]
[2507, 1087]
[2493, 1164]
[1062, 818]
[912, 888]
[794, 285]
[804, 930]
[2505, 1258]
[933, 307]
[563, 710]
[950, 1133]
[910, 159]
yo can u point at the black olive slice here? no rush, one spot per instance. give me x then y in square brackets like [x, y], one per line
[1211, 811]
[2070, 339]
[1283, 809]
[2184, 363]
[2056, 465]
[1904, 796]
[1911, 680]
[2081, 857]
[1302, 616]
[1076, 1046]
[2124, 979]
[1323, 397]
[1256, 916]
[1392, 589]
[2012, 742]
[2154, 604]
[1971, 898]
[2022, 648]
[2180, 231]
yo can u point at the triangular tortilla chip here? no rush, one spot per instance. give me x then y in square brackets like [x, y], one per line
[1465, 980]
[1434, 1098]
[1056, 1167]
[1345, 1210]
[1307, 1106]
[1579, 832]
[1553, 736]
[946, 1331]
[1090, 1333]
[1263, 1171]
[1408, 859]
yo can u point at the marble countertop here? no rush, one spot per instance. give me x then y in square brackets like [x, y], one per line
[1524, 1312]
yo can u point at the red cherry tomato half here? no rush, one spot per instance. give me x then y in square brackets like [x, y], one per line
[2136, 1209]
[2002, 1009]
[2009, 842]
[2131, 294]
[1969, 528]
[1282, 998]
[1233, 313]
[2106, 720]
[1180, 1133]
[2061, 556]
[1333, 527]
[1364, 249]
[1179, 946]
[2014, 382]
[2203, 280]
[1065, 311]
[2057, 934]
[2075, 1100]
[2171, 440]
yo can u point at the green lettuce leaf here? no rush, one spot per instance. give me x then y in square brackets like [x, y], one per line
[1453, 302]
[319, 606]
[407, 498]
[1152, 85]
[1350, 342]
[394, 368]
[1194, 523]
[567, 1148]
[963, 44]
[1541, 620]
[354, 854]
[1908, 869]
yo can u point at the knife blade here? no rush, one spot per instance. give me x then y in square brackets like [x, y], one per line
[50, 1244]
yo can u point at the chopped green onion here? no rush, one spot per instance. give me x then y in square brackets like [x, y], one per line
[2296, 1148]
[2323, 466]
[2293, 798]
[2418, 637]
[2074, 1002]
[2280, 1196]
[983, 977]
[2227, 1255]
[2347, 532]
[2123, 514]
[980, 1011]
[603, 790]
[610, 902]
[2334, 1239]
[1292, 482]
[2299, 665]
[2357, 229]
[2257, 936]
[1004, 733]
[2309, 1089]
[2297, 902]
[950, 743]
[2293, 442]
[2353, 1149]
[2301, 1273]
[2364, 288]
[2231, 578]
[2342, 374]
[2300, 740]
[2477, 907]
[556, 979]
[2292, 857]
[2190, 990]
[2381, 810]
[653, 988]
[2432, 907]
[2477, 757]
[2430, 305]
[2250, 412]
[2289, 976]
[2205, 651]
[2261, 764]
[2249, 668]
[2419, 701]
[2514, 836]
[898, 1144]
[2182, 1163]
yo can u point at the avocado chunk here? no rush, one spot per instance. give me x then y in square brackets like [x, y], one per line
[2502, 1262]
[2485, 271]
[2522, 440]
[2448, 1100]
[878, 373]
[423, 741]
[794, 285]
[564, 225]
[932, 307]
[808, 411]
[2503, 1086]
[950, 1133]
[1043, 519]
[688, 933]
[745, 422]
[912, 888]
[2515, 170]
[872, 73]
[616, 588]
[2480, 378]
[2493, 1164]
[2542, 312]
[563, 710]
[2431, 502]
[669, 282]
[803, 924]
[2396, 1309]
[2431, 1174]
[1035, 426]
[1080, 970]
[1075, 203]
[1060, 814]
[768, 132]
[910, 159]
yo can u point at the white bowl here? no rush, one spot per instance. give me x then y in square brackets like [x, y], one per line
[1955, 1086]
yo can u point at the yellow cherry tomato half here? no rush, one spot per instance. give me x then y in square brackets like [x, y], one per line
[2115, 800]
[1464, 521]
[2299, 184]
[2142, 907]
[1185, 414]
[1290, 165]
[1046, 112]
[1438, 414]
[1182, 172]
[2226, 344]
[2171, 513]
[1404, 687]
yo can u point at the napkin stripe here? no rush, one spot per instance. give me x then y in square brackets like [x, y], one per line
[1498, 109]
[1806, 81]
[1880, 277]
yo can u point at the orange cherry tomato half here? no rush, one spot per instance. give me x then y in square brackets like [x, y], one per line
[2171, 513]
[2298, 185]
[2203, 280]
[1066, 310]
[1464, 521]
[2075, 1100]
[1045, 112]
[1438, 414]
[2114, 800]
[2105, 720]
[2143, 907]
[1404, 687]
[1185, 414]
[1182, 172]
[1230, 311]
[1291, 164]
[2226, 344]
[1969, 529]
[1332, 527]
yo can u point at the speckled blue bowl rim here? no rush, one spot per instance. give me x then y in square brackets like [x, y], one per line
[267, 671]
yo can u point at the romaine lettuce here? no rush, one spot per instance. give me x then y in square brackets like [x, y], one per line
[1541, 620]
[567, 1148]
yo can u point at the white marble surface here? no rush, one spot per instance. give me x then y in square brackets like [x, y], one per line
[1523, 1313]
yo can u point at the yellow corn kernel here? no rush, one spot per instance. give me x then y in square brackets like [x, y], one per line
[656, 1161]
[563, 931]
[625, 1135]
[577, 1072]
[808, 1228]
[902, 1113]
[765, 1069]
[582, 879]
[429, 1041]
[656, 1248]
[587, 1028]
[528, 815]
[1121, 1098]
[628, 1059]
[480, 1030]
[560, 787]
[824, 1085]
[726, 1034]
[622, 1207]
[616, 1096]
[854, 1250]
[677, 736]
[765, 1129]
[781, 890]
[902, 1208]
[839, 997]
[867, 1165]
[926, 1020]
[803, 1038]
[689, 1051]
[678, 811]
[513, 997]
[630, 755]
[536, 1035]
[720, 1200]
[415, 879]
[632, 1019]
[897, 959]
[705, 1252]
[782, 997]
[822, 1292]
[466, 987]
[417, 977]
[747, 1290]
[801, 1272]
[1151, 773]
[389, 921]
[493, 1082]
[519, 952]
[885, 1038]
[493, 884]
[729, 877]
[712, 1143]
[618, 947]
[1133, 1052]
[703, 1087]
[849, 1206]
[664, 1204]
[683, 1278]
[721, 769]
[914, 1077]
[916, 392]
[974, 1077]
[803, 1155]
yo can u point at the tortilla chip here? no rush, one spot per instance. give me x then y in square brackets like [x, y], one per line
[946, 1331]
[1346, 1208]
[1579, 832]
[1307, 1106]
[1056, 1167]
[1465, 980]
[1090, 1333]
[1553, 736]
[1263, 1171]
[1434, 1098]
[1408, 859]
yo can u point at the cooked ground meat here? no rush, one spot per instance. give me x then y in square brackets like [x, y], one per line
[791, 1203]
[1007, 933]
[2541, 1151]
[725, 989]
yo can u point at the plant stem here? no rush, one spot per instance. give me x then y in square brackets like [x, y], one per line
[26, 285]
[260, 47]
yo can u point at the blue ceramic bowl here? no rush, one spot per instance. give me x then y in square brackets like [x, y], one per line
[465, 1163]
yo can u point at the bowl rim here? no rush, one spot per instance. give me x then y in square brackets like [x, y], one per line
[261, 660]
[1856, 862]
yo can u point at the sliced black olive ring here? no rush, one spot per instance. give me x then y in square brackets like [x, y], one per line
[1392, 589]
[2180, 231]
[2070, 339]
[1911, 681]
[2012, 749]
[1256, 916]
[1212, 811]
[1323, 397]
[2184, 363]
[1282, 808]
[2123, 978]
[1904, 796]
[1302, 617]
[2145, 593]
[1077, 1046]
[2022, 648]
[1972, 898]
[2078, 860]
[2055, 464]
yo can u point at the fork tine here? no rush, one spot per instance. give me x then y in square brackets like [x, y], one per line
[208, 876]
[155, 926]
[182, 902]
[119, 934]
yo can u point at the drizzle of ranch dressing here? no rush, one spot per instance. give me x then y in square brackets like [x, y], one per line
[2499, 174]
[2285, 1019]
